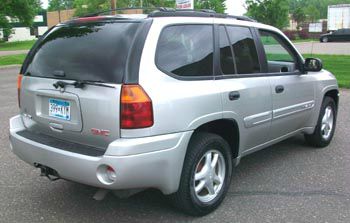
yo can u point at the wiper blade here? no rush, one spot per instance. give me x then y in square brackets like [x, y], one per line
[79, 84]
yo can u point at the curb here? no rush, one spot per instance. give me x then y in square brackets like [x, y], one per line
[10, 66]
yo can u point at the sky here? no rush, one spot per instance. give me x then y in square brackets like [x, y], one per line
[234, 7]
[45, 3]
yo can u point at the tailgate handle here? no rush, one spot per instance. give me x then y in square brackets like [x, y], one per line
[56, 126]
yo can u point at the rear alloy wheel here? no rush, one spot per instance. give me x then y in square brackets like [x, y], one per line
[209, 176]
[206, 175]
[325, 127]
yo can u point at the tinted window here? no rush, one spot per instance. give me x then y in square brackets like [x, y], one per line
[339, 32]
[244, 50]
[90, 51]
[186, 50]
[274, 47]
[226, 58]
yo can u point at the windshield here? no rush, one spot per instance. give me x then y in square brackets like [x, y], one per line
[85, 51]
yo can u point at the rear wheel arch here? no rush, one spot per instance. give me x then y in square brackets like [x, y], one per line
[226, 128]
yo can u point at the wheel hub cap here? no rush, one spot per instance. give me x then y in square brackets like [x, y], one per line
[209, 175]
[327, 123]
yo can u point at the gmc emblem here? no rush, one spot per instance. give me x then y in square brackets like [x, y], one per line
[100, 132]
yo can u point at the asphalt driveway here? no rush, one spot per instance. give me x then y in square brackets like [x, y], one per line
[288, 182]
[12, 52]
[331, 48]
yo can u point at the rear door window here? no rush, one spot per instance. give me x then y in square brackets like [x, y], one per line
[94, 51]
[186, 50]
[226, 56]
[244, 50]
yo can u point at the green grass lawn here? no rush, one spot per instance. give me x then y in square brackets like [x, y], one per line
[305, 40]
[339, 65]
[12, 59]
[22, 45]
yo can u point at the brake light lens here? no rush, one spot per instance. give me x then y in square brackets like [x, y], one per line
[136, 108]
[19, 86]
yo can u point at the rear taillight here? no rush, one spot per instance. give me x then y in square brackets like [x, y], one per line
[136, 108]
[19, 86]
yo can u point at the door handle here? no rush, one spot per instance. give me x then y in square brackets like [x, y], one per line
[234, 95]
[279, 89]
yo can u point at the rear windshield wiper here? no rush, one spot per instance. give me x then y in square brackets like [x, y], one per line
[80, 84]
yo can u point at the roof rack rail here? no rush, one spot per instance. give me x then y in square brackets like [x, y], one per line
[171, 12]
[244, 18]
[162, 9]
[197, 13]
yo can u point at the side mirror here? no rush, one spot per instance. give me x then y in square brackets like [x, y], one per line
[313, 64]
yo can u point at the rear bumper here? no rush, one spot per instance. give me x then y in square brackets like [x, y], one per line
[150, 162]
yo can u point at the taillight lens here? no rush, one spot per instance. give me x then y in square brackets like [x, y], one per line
[136, 108]
[19, 86]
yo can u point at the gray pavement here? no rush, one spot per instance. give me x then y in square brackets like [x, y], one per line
[288, 182]
[13, 52]
[332, 48]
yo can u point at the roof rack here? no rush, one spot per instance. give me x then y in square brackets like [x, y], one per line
[171, 12]
[124, 9]
[197, 13]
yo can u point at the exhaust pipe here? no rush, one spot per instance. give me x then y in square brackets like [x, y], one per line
[48, 172]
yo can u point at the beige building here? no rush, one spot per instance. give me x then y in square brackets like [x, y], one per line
[55, 17]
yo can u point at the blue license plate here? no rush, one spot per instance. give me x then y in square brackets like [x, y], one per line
[59, 109]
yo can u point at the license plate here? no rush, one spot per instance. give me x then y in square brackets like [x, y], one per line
[59, 109]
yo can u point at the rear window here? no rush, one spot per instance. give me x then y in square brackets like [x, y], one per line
[87, 51]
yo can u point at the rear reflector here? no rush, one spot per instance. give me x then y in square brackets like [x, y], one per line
[136, 108]
[19, 86]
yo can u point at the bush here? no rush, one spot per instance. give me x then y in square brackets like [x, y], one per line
[292, 35]
[303, 34]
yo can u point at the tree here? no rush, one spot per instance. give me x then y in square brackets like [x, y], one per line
[216, 5]
[272, 12]
[83, 7]
[312, 13]
[23, 10]
[320, 5]
[56, 5]
[299, 16]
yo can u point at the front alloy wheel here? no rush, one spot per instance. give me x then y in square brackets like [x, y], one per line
[327, 123]
[325, 127]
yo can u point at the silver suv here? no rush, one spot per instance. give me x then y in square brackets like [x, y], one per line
[171, 101]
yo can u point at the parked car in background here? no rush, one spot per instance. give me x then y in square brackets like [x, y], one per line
[339, 35]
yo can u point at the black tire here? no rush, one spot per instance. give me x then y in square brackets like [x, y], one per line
[316, 139]
[185, 198]
[325, 39]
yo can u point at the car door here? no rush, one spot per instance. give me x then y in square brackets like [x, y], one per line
[337, 35]
[246, 95]
[347, 35]
[292, 92]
